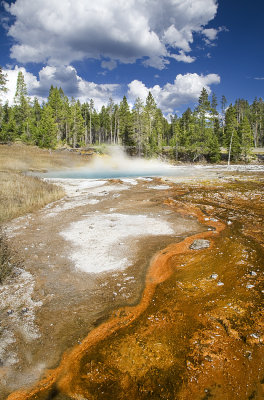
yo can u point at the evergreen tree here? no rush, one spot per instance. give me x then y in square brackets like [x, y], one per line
[77, 125]
[125, 123]
[246, 138]
[176, 135]
[46, 134]
[110, 110]
[22, 108]
[3, 81]
[137, 117]
[149, 116]
[205, 142]
[231, 138]
[8, 131]
[223, 111]
[56, 101]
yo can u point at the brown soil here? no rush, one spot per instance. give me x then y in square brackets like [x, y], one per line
[197, 331]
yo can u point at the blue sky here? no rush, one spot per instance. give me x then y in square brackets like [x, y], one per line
[111, 48]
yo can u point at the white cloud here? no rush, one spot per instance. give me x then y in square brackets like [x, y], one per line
[11, 75]
[65, 77]
[183, 57]
[137, 89]
[111, 64]
[185, 89]
[212, 33]
[58, 32]
[259, 78]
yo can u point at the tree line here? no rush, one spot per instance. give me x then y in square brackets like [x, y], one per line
[197, 134]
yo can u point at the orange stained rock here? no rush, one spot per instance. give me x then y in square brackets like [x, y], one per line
[66, 377]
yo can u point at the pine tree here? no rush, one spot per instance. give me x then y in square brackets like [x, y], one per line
[22, 108]
[77, 125]
[46, 134]
[149, 116]
[3, 81]
[158, 129]
[246, 138]
[231, 138]
[176, 135]
[110, 110]
[8, 131]
[204, 142]
[125, 123]
[137, 117]
[56, 101]
[223, 111]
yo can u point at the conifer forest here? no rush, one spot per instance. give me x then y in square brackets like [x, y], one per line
[202, 133]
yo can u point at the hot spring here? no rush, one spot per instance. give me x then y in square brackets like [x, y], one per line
[116, 164]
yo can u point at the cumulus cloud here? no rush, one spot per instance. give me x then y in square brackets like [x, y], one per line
[183, 57]
[11, 76]
[185, 89]
[58, 32]
[212, 33]
[63, 76]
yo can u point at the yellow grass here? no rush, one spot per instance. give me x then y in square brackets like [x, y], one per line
[20, 194]
[20, 157]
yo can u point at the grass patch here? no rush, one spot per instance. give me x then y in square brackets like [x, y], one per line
[20, 157]
[21, 194]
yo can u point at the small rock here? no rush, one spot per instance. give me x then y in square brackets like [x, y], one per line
[214, 276]
[10, 312]
[255, 335]
[220, 283]
[229, 222]
[199, 244]
[249, 286]
[253, 273]
[248, 354]
[25, 310]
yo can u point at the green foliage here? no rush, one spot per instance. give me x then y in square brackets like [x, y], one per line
[46, 134]
[195, 136]
[3, 81]
[231, 138]
[246, 138]
[125, 123]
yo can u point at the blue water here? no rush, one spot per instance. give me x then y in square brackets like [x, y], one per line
[108, 174]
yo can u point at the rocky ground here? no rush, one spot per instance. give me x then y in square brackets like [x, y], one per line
[175, 311]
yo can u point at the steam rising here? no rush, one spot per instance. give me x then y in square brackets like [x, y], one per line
[116, 164]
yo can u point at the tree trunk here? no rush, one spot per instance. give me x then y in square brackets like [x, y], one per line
[230, 148]
[90, 128]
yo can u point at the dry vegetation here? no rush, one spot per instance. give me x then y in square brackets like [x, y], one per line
[20, 194]
[19, 157]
